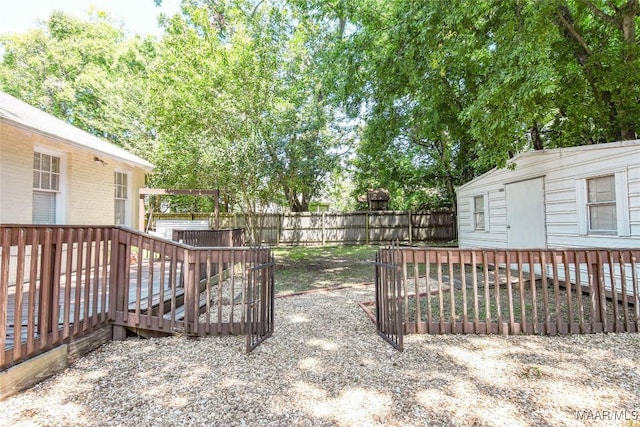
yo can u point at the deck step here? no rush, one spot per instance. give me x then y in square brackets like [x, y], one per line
[180, 310]
[155, 300]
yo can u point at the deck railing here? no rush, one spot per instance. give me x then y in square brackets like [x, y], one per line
[53, 287]
[194, 290]
[61, 283]
[517, 291]
[232, 237]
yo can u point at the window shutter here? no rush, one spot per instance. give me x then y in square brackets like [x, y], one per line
[622, 204]
[44, 207]
[581, 206]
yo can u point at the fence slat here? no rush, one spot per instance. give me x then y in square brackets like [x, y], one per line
[55, 300]
[614, 290]
[33, 289]
[44, 296]
[507, 271]
[623, 286]
[17, 313]
[556, 294]
[476, 308]
[534, 294]
[309, 228]
[521, 282]
[552, 303]
[579, 293]
[487, 295]
[104, 278]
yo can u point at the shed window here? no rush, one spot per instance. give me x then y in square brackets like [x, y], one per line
[601, 205]
[46, 186]
[120, 191]
[478, 213]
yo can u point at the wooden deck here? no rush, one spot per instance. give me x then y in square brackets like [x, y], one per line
[78, 292]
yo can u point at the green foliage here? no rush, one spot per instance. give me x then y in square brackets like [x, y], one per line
[279, 103]
[244, 112]
[452, 89]
[86, 73]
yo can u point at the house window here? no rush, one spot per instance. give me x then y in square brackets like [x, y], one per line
[478, 213]
[601, 205]
[46, 186]
[120, 198]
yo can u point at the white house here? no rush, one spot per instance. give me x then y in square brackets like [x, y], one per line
[54, 173]
[578, 197]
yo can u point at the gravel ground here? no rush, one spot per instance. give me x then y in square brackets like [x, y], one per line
[326, 366]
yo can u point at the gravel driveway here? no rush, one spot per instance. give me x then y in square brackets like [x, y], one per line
[325, 365]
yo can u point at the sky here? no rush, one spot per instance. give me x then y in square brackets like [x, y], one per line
[138, 16]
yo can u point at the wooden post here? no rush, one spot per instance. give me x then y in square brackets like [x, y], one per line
[410, 228]
[217, 209]
[46, 288]
[190, 288]
[366, 227]
[116, 291]
[142, 226]
[594, 287]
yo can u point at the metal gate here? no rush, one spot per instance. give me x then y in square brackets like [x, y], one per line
[389, 296]
[260, 299]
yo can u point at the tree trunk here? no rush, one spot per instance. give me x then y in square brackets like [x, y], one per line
[535, 137]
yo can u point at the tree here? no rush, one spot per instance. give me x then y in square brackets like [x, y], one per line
[457, 88]
[243, 103]
[86, 73]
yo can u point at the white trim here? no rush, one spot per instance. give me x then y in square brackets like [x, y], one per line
[62, 193]
[485, 206]
[129, 203]
[623, 225]
[622, 204]
[487, 226]
[581, 206]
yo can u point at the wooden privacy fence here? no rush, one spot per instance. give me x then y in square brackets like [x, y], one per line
[61, 283]
[320, 228]
[507, 291]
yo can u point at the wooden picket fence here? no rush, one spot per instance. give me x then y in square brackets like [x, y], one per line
[475, 291]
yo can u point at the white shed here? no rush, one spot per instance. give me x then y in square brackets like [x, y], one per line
[578, 197]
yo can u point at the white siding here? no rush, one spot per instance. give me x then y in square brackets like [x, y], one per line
[561, 169]
[87, 192]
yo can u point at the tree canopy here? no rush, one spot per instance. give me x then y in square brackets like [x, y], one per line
[279, 102]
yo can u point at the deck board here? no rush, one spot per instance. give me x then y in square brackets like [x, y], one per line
[80, 287]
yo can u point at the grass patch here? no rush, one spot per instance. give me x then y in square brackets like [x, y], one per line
[306, 268]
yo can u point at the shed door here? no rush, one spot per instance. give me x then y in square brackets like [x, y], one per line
[526, 214]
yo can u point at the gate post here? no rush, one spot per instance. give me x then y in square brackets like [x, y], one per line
[191, 292]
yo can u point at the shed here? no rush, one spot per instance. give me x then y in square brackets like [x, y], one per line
[54, 173]
[377, 200]
[578, 197]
